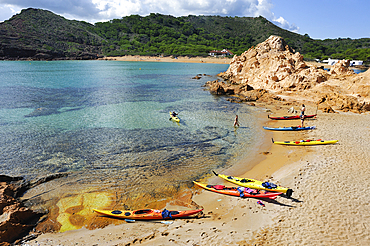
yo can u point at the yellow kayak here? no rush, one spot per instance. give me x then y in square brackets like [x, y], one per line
[306, 142]
[238, 191]
[174, 118]
[255, 184]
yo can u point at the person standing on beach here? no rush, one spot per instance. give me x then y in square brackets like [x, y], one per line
[303, 109]
[236, 122]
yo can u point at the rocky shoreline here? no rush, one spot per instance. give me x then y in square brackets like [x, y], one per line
[17, 220]
[272, 72]
[52, 57]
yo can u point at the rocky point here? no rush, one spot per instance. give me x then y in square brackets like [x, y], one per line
[273, 71]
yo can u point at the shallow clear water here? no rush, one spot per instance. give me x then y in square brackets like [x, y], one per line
[106, 123]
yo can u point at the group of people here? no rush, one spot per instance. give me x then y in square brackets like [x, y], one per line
[303, 109]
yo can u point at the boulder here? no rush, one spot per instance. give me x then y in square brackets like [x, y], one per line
[254, 95]
[341, 68]
[245, 92]
[344, 102]
[220, 88]
[324, 107]
[42, 112]
[366, 107]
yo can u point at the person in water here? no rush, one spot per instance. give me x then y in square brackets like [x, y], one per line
[236, 122]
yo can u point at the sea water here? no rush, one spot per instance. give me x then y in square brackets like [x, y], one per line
[106, 124]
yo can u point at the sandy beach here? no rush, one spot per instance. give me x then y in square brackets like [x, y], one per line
[329, 205]
[217, 60]
[185, 59]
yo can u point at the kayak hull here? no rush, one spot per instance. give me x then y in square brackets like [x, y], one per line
[233, 191]
[147, 214]
[306, 142]
[293, 117]
[176, 119]
[254, 184]
[292, 128]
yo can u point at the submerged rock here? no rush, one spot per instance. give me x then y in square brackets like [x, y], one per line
[42, 112]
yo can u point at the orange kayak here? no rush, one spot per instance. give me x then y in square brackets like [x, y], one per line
[148, 214]
[240, 191]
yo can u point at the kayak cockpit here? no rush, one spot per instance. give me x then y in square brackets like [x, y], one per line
[143, 211]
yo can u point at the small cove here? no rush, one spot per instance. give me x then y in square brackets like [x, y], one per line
[106, 124]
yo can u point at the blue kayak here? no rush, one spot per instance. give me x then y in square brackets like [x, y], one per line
[292, 128]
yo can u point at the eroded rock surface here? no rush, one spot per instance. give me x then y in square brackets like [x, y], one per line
[272, 68]
[16, 219]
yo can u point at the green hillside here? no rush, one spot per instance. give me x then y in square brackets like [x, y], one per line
[40, 34]
[44, 35]
[191, 35]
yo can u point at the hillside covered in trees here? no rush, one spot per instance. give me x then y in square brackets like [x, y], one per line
[41, 34]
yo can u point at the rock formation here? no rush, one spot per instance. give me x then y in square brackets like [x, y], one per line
[16, 219]
[273, 66]
[341, 68]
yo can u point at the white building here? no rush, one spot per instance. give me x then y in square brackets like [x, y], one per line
[223, 52]
[356, 63]
[331, 62]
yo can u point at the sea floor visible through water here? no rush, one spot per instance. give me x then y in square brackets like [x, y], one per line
[106, 124]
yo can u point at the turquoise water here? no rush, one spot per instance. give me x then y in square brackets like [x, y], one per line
[106, 124]
[358, 70]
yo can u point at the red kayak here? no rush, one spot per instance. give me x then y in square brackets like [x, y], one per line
[240, 191]
[293, 117]
[148, 214]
